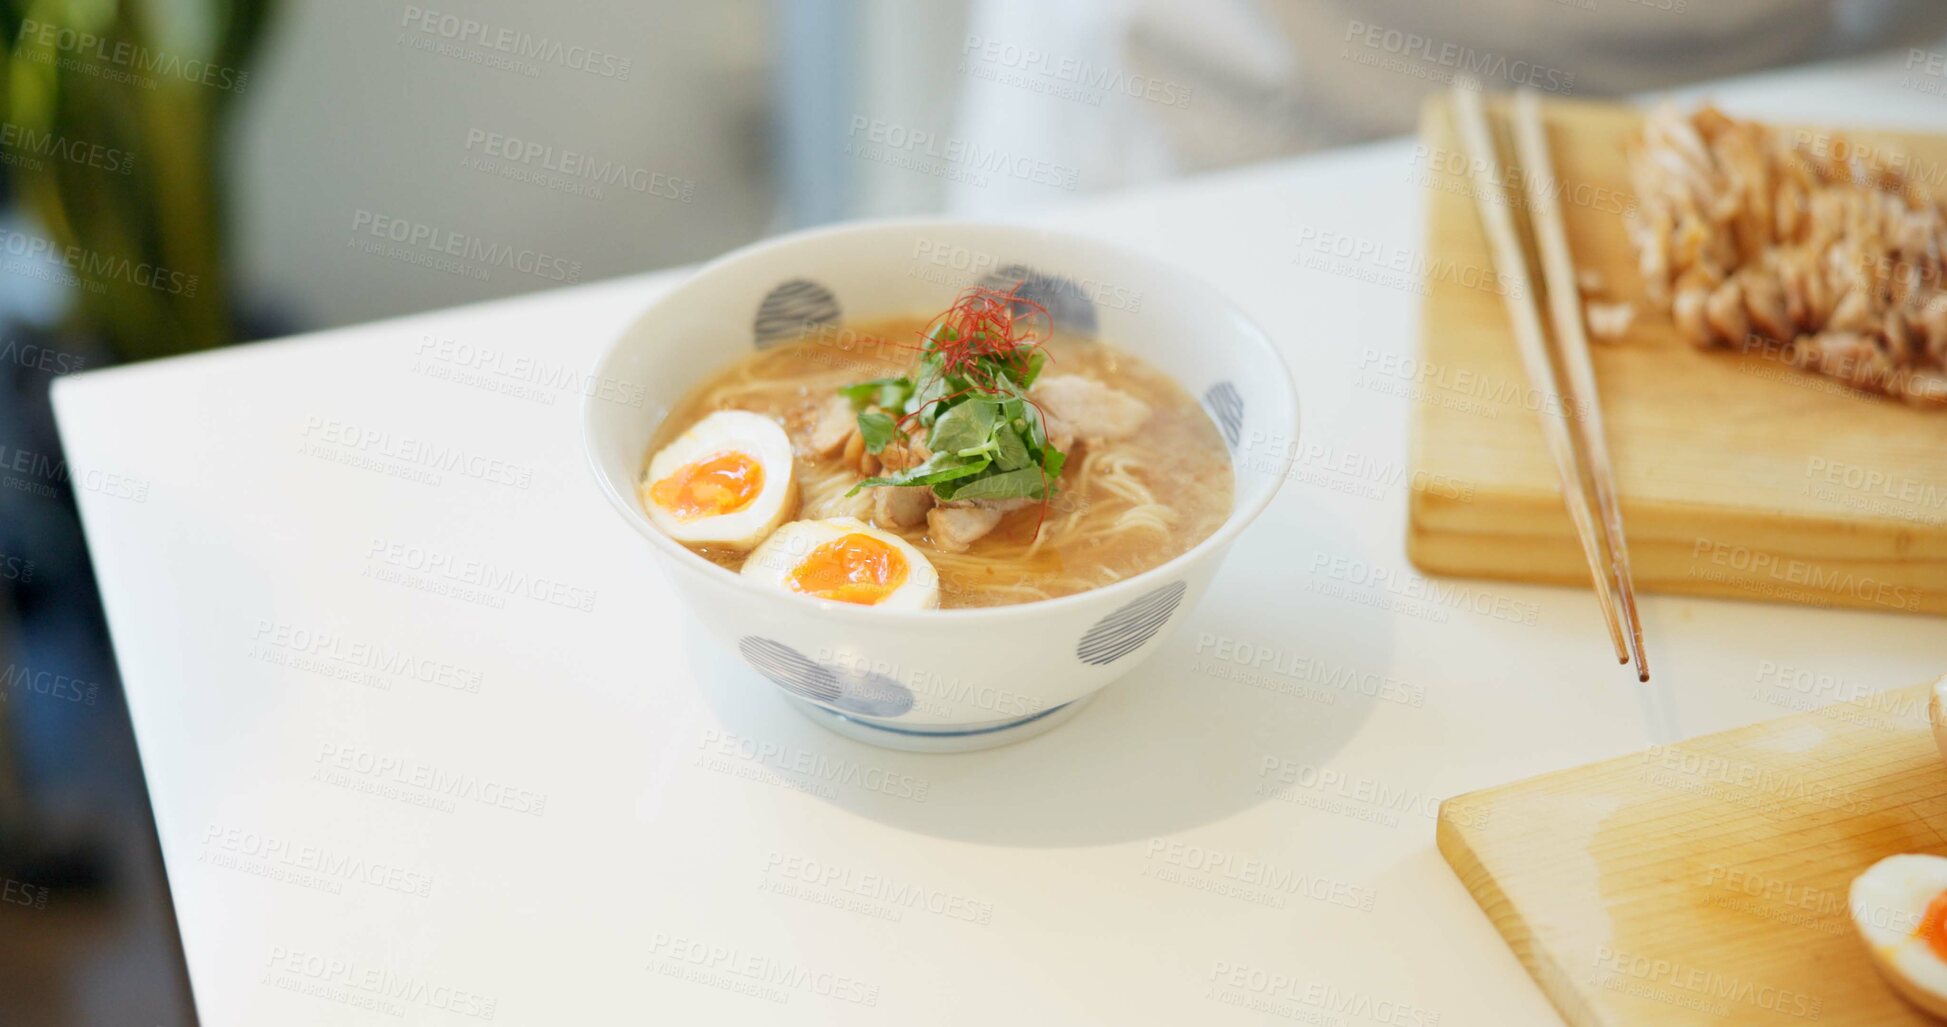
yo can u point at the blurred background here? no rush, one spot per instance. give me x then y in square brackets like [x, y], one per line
[177, 175]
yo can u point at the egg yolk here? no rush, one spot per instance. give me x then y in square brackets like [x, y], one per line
[1933, 926]
[711, 487]
[854, 568]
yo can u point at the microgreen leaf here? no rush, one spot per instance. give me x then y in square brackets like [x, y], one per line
[1010, 453]
[888, 393]
[927, 394]
[1024, 483]
[940, 467]
[1035, 361]
[968, 390]
[1052, 461]
[965, 426]
[878, 429]
[1037, 428]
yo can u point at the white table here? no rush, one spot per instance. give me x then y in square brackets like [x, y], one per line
[380, 796]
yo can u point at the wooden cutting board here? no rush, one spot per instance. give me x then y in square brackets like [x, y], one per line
[1705, 882]
[1739, 477]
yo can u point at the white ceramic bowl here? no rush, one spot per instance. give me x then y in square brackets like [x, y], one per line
[942, 680]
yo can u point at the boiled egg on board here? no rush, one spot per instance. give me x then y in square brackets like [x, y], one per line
[848, 561]
[727, 481]
[1900, 907]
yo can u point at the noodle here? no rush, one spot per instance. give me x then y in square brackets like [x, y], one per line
[1121, 508]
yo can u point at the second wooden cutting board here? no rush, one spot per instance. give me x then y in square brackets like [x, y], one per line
[1706, 882]
[1739, 477]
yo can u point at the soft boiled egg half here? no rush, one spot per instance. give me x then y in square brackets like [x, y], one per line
[1900, 907]
[727, 481]
[845, 560]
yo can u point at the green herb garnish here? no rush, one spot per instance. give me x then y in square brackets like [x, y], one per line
[969, 390]
[878, 428]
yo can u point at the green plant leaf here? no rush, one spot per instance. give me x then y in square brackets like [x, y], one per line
[931, 389]
[1025, 483]
[1036, 360]
[1010, 453]
[1036, 434]
[965, 426]
[1052, 461]
[886, 393]
[878, 429]
[942, 467]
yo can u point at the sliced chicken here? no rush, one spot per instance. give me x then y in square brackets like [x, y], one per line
[1755, 240]
[836, 424]
[954, 532]
[1003, 505]
[1089, 408]
[896, 506]
[954, 527]
[855, 455]
[903, 452]
[1687, 310]
[1725, 314]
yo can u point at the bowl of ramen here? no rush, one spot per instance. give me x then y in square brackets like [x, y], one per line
[939, 481]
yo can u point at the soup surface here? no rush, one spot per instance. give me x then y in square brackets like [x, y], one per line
[1121, 506]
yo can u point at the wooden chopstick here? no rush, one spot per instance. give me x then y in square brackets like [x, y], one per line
[1492, 202]
[1572, 343]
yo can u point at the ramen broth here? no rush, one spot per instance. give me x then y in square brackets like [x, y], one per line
[1121, 506]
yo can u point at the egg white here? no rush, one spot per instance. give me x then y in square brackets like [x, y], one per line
[773, 562]
[727, 431]
[1887, 904]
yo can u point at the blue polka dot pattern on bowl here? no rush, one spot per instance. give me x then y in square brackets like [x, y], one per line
[1068, 306]
[790, 310]
[1125, 631]
[866, 693]
[1226, 407]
